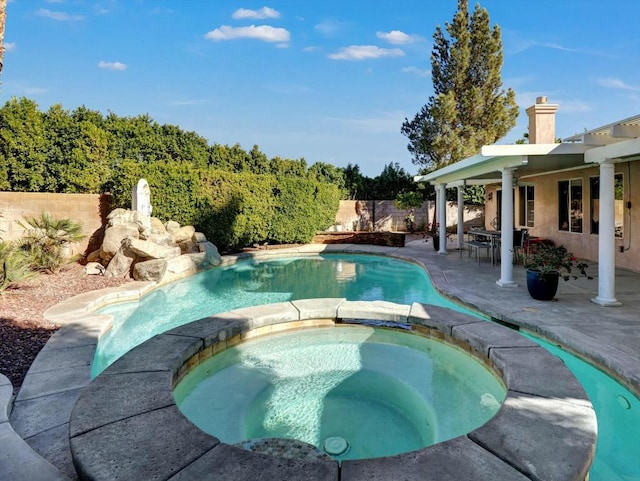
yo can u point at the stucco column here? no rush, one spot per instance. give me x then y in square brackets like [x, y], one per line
[442, 217]
[506, 231]
[606, 238]
[460, 216]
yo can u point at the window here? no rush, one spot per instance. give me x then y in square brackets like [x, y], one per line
[594, 188]
[570, 205]
[526, 205]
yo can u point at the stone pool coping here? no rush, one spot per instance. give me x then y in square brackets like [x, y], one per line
[43, 406]
[126, 424]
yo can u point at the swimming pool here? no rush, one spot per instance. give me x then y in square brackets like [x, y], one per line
[354, 277]
[251, 283]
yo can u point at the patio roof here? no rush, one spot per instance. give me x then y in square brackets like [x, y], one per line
[618, 141]
[529, 159]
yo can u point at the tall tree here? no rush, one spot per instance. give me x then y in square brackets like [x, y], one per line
[469, 107]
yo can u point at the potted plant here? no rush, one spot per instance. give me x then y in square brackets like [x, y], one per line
[433, 231]
[545, 264]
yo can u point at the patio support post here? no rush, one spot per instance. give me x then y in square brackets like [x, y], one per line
[442, 217]
[606, 238]
[460, 216]
[506, 231]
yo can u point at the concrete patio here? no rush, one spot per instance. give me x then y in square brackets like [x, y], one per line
[609, 337]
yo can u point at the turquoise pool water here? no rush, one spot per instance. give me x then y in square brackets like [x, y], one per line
[251, 283]
[355, 277]
[618, 411]
[384, 392]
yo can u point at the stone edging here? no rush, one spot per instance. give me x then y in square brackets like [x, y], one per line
[126, 424]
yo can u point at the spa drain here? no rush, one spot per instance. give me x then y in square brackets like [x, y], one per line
[335, 445]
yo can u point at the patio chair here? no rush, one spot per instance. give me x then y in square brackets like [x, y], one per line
[520, 240]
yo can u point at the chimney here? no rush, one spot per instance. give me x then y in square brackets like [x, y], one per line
[542, 122]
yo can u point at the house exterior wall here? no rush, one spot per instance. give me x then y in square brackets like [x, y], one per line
[88, 209]
[584, 245]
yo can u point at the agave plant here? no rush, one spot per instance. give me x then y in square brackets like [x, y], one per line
[44, 239]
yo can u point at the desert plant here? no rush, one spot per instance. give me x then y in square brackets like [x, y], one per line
[14, 266]
[44, 239]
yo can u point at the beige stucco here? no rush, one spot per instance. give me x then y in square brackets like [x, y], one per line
[584, 245]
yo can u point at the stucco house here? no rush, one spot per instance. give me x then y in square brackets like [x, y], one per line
[583, 193]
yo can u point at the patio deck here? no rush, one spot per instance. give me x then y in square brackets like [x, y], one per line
[607, 336]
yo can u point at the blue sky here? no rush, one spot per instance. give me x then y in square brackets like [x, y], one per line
[327, 80]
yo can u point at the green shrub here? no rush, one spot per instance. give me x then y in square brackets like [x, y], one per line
[14, 266]
[233, 209]
[44, 239]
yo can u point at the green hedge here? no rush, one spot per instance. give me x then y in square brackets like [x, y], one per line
[233, 210]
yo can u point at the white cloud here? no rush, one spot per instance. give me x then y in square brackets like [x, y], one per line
[24, 89]
[9, 46]
[265, 33]
[396, 37]
[328, 28]
[118, 66]
[361, 52]
[420, 72]
[615, 83]
[264, 12]
[60, 16]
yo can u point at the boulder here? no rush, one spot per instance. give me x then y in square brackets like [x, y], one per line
[94, 269]
[182, 234]
[139, 219]
[199, 237]
[152, 270]
[160, 238]
[212, 256]
[189, 247]
[157, 227]
[120, 264]
[113, 238]
[150, 250]
[94, 256]
[172, 226]
[118, 217]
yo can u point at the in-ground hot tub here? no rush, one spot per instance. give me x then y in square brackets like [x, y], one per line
[126, 424]
[354, 391]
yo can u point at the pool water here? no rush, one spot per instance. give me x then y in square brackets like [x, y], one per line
[354, 277]
[385, 392]
[618, 411]
[251, 283]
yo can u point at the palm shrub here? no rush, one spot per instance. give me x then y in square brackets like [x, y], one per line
[45, 238]
[15, 266]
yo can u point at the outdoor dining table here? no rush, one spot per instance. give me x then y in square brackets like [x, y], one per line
[483, 238]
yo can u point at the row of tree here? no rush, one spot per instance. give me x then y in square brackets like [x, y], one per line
[80, 151]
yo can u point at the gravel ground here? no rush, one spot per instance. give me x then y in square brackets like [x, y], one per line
[23, 330]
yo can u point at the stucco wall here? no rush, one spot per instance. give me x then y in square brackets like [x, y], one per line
[383, 215]
[584, 245]
[89, 209]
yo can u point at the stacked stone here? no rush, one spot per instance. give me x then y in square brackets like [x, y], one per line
[150, 251]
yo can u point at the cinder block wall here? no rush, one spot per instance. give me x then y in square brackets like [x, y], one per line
[89, 209]
[383, 215]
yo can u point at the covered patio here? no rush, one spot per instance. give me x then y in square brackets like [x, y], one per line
[511, 165]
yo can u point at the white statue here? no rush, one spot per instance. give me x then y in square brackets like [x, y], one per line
[141, 200]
